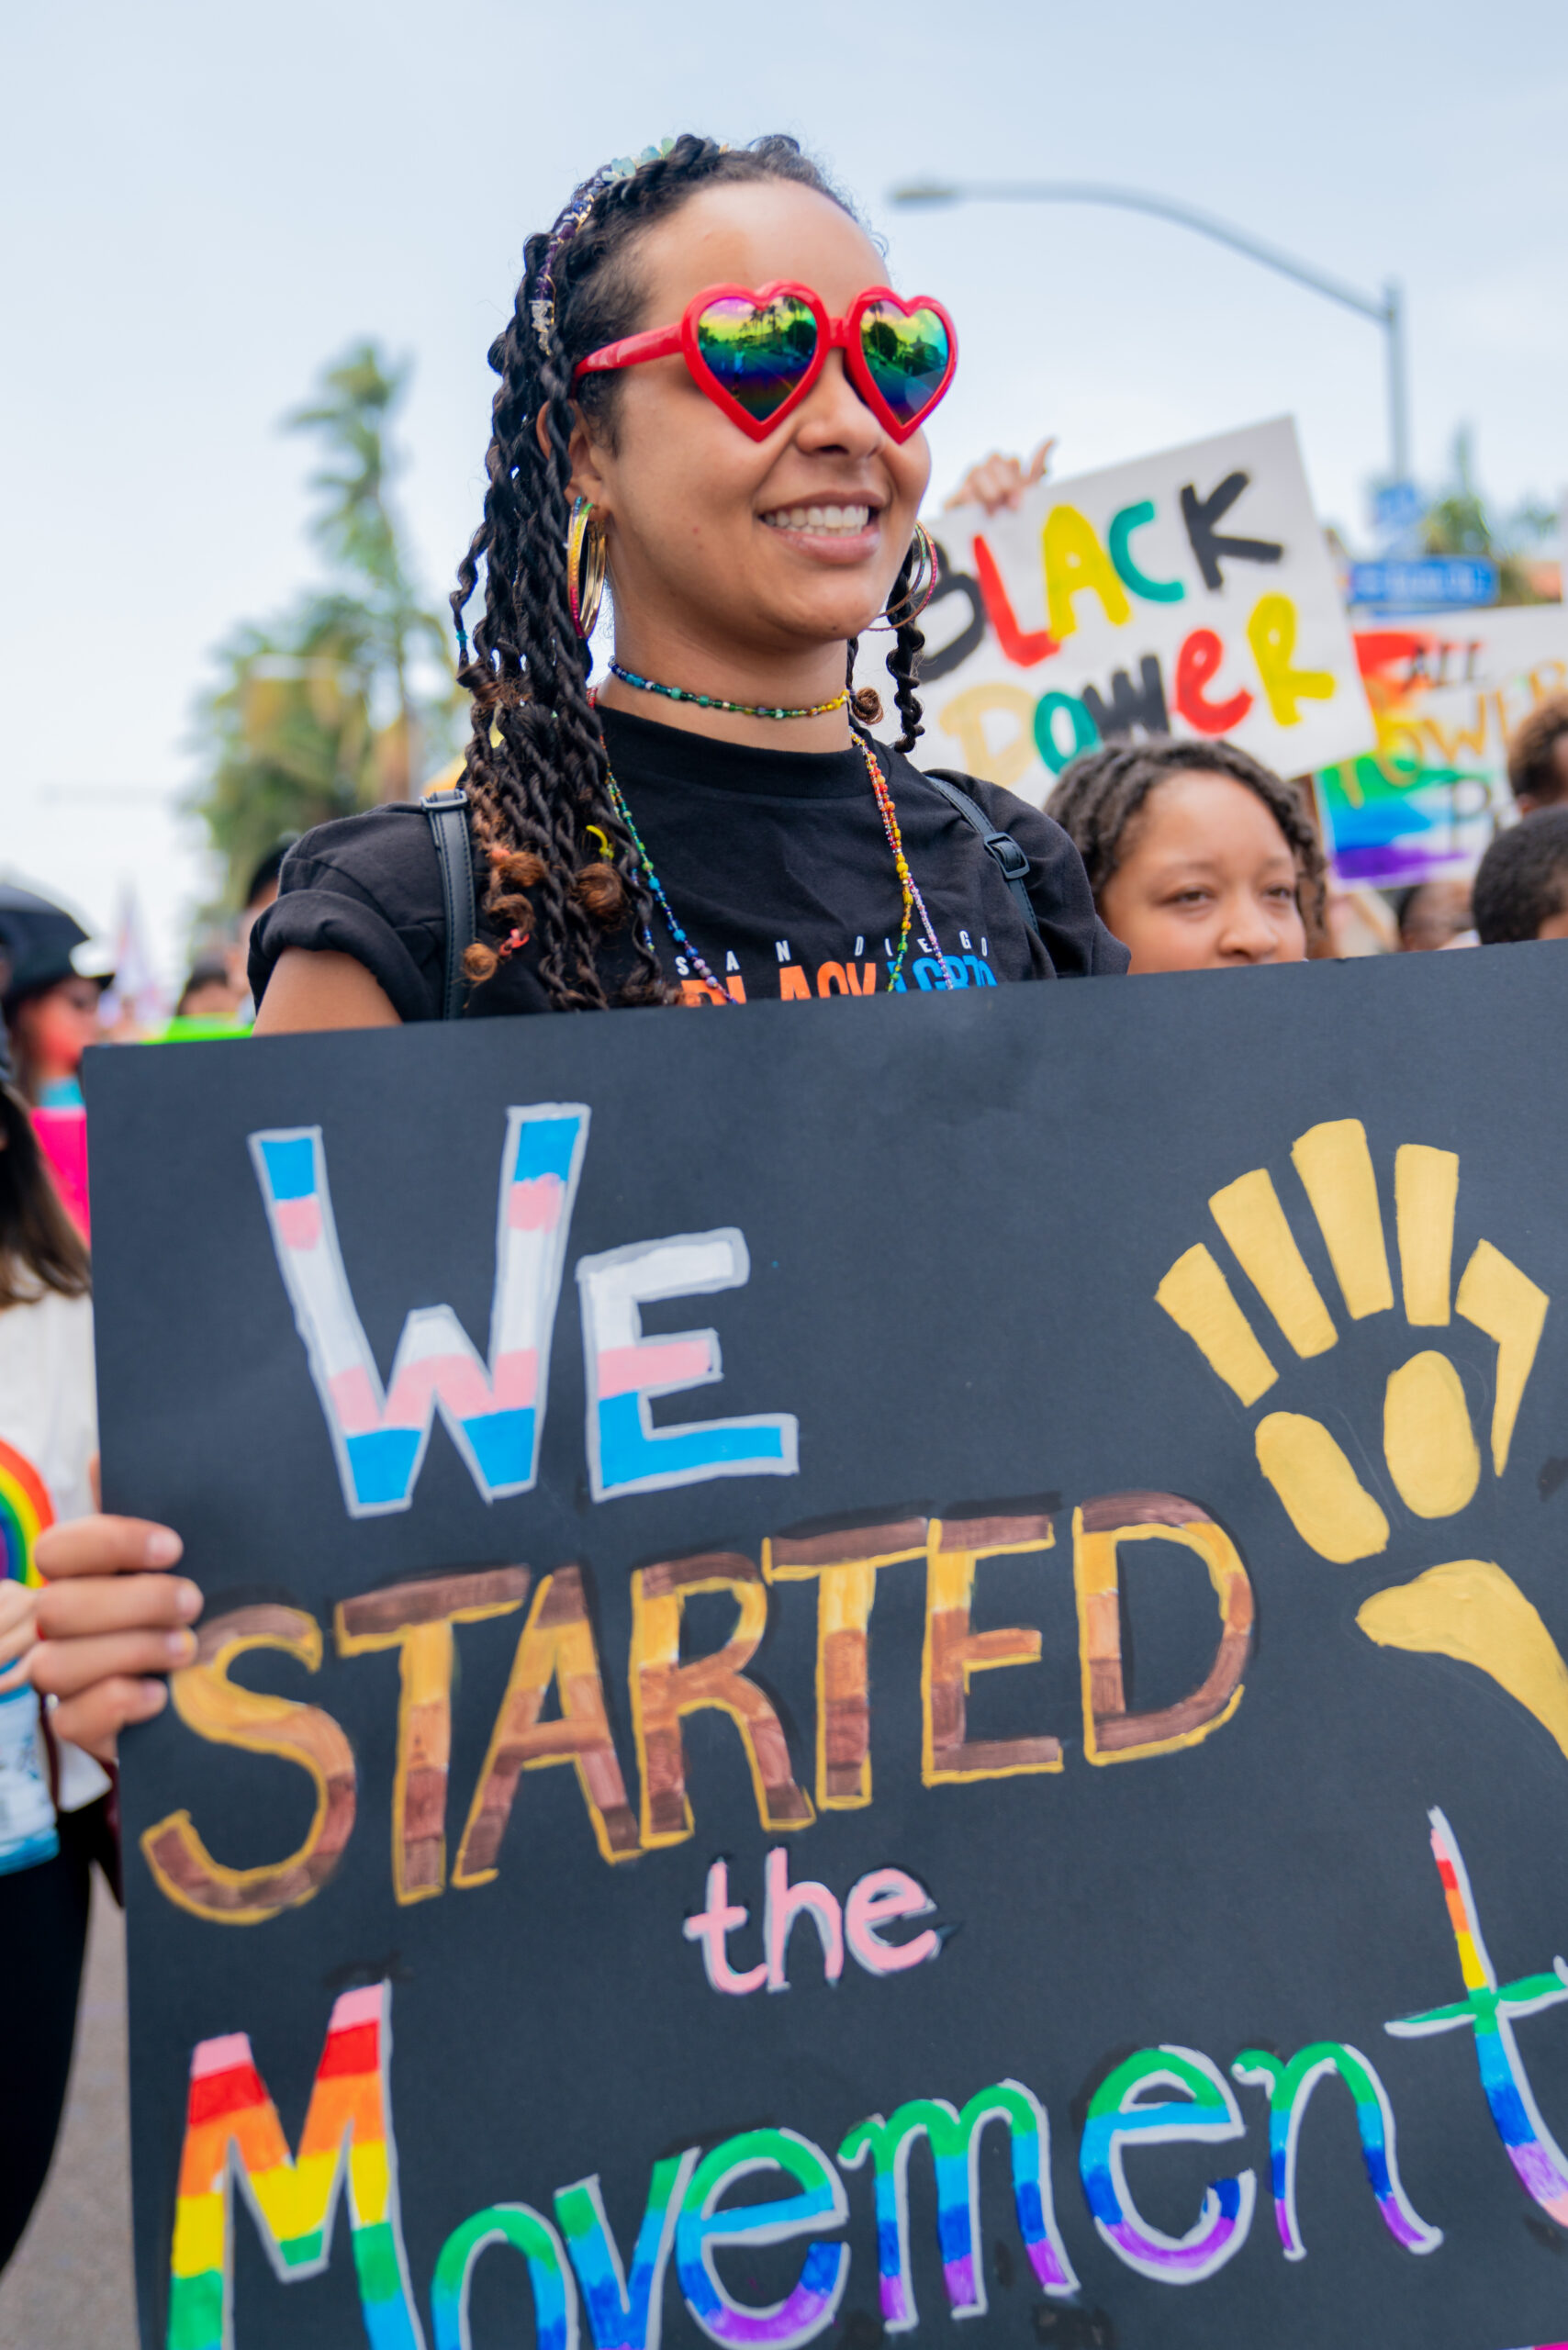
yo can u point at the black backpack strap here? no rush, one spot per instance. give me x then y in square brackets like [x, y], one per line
[1001, 845]
[448, 814]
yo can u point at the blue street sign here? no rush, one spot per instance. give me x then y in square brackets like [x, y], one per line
[1447, 579]
[1395, 507]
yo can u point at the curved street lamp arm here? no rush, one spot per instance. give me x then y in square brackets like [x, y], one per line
[1131, 199]
[1388, 313]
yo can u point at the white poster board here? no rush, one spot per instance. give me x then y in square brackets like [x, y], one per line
[1185, 593]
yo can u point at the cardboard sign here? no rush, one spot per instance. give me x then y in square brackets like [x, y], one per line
[862, 1667]
[1446, 698]
[1187, 593]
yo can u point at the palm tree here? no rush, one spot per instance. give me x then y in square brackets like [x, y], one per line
[348, 699]
[1458, 523]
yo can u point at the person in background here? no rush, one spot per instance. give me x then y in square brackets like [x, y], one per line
[51, 993]
[53, 1798]
[1199, 858]
[209, 1004]
[1537, 756]
[1360, 922]
[1431, 914]
[261, 893]
[208, 992]
[1521, 888]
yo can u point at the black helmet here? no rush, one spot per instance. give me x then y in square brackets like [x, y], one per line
[40, 945]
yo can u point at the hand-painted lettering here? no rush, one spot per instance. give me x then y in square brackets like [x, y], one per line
[218, 1708]
[1127, 2110]
[1210, 550]
[416, 1618]
[1119, 540]
[232, 2128]
[664, 1691]
[495, 1409]
[953, 2139]
[1024, 647]
[1271, 633]
[1130, 706]
[953, 1652]
[820, 2200]
[557, 1647]
[1076, 563]
[1197, 664]
[1110, 1734]
[624, 1371]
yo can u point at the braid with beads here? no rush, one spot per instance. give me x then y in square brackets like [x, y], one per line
[537, 774]
[903, 667]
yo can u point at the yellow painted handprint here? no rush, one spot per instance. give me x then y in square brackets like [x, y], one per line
[1469, 1608]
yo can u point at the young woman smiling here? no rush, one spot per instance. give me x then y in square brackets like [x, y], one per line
[706, 389]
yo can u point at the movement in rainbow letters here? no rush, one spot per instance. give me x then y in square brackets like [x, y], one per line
[576, 2269]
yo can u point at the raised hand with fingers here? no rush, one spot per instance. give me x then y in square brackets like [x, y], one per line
[998, 482]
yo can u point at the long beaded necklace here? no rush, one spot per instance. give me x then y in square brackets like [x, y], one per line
[913, 901]
[715, 701]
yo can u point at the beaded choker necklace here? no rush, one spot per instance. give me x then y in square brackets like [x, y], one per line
[913, 903]
[716, 701]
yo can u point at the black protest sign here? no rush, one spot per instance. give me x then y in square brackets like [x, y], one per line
[863, 1667]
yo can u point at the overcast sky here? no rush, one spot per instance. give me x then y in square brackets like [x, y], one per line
[202, 204]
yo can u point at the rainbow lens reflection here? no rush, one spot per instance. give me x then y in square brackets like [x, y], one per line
[907, 355]
[757, 351]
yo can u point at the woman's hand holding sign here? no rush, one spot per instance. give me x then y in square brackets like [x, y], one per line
[108, 1618]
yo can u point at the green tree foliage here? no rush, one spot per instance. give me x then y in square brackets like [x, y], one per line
[348, 697]
[1459, 523]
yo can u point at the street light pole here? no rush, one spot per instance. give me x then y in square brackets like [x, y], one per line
[1388, 313]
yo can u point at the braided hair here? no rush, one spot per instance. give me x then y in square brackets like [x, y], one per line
[537, 774]
[1097, 797]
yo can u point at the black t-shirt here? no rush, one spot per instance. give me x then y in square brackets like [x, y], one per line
[774, 862]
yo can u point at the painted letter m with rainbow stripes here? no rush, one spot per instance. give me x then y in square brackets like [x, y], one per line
[494, 1410]
[232, 2129]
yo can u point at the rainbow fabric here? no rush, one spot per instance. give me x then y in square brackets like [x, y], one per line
[1290, 2086]
[1117, 2114]
[622, 2316]
[25, 1511]
[1490, 2007]
[495, 1410]
[955, 2142]
[231, 2125]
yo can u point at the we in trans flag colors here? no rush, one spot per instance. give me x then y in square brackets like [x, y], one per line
[494, 1410]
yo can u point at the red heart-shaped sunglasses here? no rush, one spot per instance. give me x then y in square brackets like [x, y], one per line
[758, 353]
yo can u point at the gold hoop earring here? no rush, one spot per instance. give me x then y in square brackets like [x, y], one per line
[586, 565]
[921, 589]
